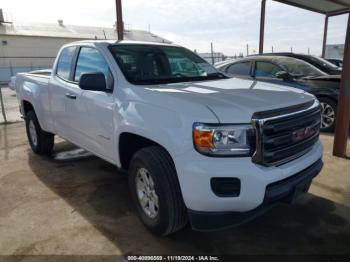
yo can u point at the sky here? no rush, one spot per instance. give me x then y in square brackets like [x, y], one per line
[229, 24]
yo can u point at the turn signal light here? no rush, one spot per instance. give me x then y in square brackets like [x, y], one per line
[203, 138]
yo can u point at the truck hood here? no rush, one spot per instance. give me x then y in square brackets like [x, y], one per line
[233, 100]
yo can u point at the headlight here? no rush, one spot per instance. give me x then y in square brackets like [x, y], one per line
[223, 140]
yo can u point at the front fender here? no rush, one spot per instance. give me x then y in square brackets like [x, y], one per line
[170, 129]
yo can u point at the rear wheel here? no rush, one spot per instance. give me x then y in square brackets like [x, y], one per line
[156, 191]
[329, 110]
[40, 141]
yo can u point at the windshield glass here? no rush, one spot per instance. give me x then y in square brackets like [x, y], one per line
[155, 64]
[324, 63]
[299, 68]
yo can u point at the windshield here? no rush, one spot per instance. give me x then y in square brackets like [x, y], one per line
[155, 64]
[324, 63]
[299, 68]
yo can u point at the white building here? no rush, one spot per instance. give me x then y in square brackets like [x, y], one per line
[32, 46]
[335, 51]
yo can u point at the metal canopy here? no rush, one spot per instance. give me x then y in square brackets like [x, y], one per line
[330, 7]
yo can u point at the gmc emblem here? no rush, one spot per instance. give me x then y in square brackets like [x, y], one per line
[302, 134]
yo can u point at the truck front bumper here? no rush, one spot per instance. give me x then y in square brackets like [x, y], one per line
[282, 191]
[195, 172]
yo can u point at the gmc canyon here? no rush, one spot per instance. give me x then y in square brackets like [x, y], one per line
[198, 146]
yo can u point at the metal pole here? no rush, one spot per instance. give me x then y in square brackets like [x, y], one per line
[120, 24]
[343, 114]
[2, 106]
[262, 26]
[325, 32]
[212, 53]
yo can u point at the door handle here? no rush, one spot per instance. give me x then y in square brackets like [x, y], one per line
[71, 96]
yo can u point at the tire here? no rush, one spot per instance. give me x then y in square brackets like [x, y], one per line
[44, 141]
[329, 112]
[170, 214]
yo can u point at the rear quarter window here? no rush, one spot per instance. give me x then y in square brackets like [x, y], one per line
[64, 63]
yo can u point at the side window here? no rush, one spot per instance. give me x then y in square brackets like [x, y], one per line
[242, 69]
[265, 69]
[65, 62]
[91, 61]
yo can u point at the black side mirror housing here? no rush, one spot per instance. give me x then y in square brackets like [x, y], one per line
[282, 75]
[93, 82]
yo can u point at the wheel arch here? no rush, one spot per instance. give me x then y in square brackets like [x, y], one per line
[130, 143]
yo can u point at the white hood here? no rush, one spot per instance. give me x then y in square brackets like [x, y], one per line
[234, 100]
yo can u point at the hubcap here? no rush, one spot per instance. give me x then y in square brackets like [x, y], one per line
[32, 133]
[328, 115]
[146, 193]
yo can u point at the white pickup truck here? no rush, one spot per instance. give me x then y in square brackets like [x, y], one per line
[198, 146]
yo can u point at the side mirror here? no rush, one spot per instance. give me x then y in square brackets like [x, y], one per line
[93, 82]
[282, 75]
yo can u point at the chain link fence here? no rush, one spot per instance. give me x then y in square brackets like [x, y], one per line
[212, 59]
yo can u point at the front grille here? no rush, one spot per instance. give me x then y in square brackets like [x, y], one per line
[282, 138]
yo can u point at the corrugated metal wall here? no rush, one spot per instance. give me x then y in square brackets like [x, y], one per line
[23, 54]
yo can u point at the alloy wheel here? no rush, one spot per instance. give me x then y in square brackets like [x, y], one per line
[328, 115]
[146, 194]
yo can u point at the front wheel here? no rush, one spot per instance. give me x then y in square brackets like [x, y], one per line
[156, 191]
[328, 114]
[40, 141]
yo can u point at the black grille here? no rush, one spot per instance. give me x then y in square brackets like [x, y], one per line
[283, 138]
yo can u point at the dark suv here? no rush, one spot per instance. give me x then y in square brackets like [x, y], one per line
[290, 72]
[316, 61]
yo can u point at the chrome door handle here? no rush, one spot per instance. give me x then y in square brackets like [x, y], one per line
[71, 96]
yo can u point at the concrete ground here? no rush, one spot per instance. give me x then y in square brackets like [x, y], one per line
[75, 203]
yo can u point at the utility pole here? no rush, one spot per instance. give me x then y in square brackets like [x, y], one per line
[120, 23]
[247, 50]
[212, 53]
[272, 49]
[262, 26]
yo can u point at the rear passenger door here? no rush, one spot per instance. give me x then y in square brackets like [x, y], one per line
[61, 87]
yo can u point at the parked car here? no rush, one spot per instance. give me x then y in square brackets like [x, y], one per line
[316, 61]
[291, 72]
[197, 145]
[336, 62]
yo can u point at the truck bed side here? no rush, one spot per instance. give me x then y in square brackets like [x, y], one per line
[33, 91]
